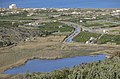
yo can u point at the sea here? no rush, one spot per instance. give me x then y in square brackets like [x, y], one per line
[61, 3]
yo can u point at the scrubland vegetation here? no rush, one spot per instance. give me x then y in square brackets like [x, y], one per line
[39, 33]
[107, 69]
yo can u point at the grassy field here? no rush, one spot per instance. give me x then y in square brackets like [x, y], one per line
[85, 36]
[11, 23]
[55, 26]
[99, 24]
[95, 23]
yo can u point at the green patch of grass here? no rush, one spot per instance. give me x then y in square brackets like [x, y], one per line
[55, 26]
[99, 24]
[16, 17]
[115, 30]
[85, 36]
[110, 38]
[5, 23]
[11, 23]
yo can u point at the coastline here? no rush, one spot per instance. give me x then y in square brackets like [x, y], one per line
[24, 61]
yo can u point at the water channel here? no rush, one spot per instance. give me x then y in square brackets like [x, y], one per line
[74, 34]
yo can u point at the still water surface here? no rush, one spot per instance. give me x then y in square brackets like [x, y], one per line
[37, 65]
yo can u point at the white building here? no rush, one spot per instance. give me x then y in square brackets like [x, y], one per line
[81, 20]
[12, 6]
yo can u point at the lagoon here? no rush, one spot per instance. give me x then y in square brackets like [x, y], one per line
[39, 65]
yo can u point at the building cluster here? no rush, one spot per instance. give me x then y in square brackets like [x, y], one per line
[6, 13]
[116, 12]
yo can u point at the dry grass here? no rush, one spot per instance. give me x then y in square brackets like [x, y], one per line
[50, 47]
[116, 28]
